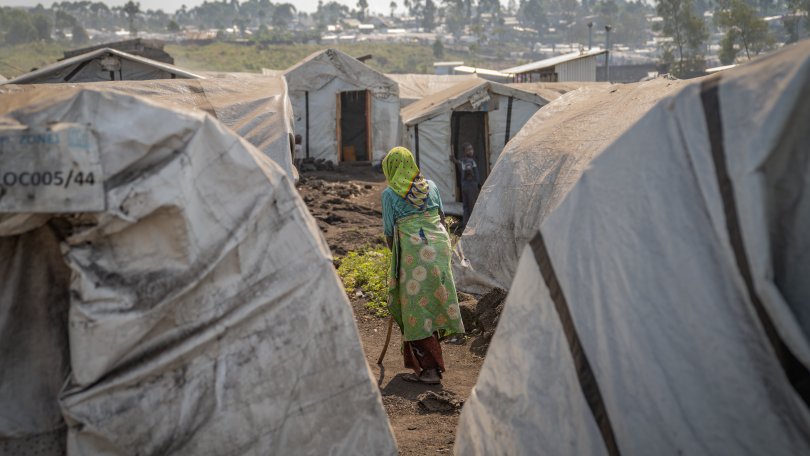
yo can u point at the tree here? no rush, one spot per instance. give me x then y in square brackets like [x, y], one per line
[79, 34]
[393, 6]
[744, 29]
[362, 6]
[330, 13]
[688, 32]
[173, 27]
[533, 14]
[131, 9]
[607, 11]
[63, 20]
[454, 17]
[429, 16]
[21, 29]
[283, 15]
[438, 48]
[43, 27]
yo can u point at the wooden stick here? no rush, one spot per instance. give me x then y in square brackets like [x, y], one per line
[387, 340]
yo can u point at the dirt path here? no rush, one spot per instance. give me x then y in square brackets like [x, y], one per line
[346, 203]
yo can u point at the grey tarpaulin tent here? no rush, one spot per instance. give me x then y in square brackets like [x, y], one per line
[103, 65]
[483, 113]
[414, 87]
[663, 308]
[180, 301]
[344, 110]
[256, 107]
[537, 169]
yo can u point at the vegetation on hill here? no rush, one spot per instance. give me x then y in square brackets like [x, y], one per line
[221, 56]
[22, 58]
[387, 58]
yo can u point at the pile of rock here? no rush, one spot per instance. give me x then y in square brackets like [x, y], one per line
[481, 318]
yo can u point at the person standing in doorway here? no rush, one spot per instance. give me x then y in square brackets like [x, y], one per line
[468, 172]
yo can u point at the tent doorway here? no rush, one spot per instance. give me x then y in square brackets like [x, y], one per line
[470, 127]
[354, 134]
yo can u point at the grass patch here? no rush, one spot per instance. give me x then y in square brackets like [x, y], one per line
[21, 58]
[367, 270]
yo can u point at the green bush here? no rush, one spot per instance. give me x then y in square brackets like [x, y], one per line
[367, 270]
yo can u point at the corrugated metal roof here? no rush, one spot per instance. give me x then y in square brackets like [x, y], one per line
[554, 61]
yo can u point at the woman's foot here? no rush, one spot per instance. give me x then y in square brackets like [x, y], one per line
[428, 377]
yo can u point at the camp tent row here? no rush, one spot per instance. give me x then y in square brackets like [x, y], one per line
[662, 307]
[170, 295]
[537, 169]
[344, 110]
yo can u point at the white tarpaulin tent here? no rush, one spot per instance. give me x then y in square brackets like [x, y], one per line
[171, 294]
[499, 112]
[663, 307]
[414, 87]
[537, 169]
[103, 65]
[330, 86]
[255, 107]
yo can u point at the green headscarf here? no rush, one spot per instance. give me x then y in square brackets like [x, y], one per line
[404, 178]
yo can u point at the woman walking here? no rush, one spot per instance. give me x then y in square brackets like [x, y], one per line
[421, 293]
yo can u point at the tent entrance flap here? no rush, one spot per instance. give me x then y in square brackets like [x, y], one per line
[470, 127]
[353, 127]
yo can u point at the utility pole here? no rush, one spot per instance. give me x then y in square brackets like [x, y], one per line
[607, 53]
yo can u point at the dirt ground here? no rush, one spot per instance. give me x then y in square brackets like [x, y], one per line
[346, 203]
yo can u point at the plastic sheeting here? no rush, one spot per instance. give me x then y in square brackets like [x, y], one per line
[255, 107]
[103, 65]
[662, 309]
[317, 82]
[537, 169]
[434, 136]
[199, 314]
[413, 87]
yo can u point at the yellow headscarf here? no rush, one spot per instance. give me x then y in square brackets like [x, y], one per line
[404, 178]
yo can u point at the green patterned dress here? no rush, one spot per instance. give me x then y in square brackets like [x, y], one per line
[421, 292]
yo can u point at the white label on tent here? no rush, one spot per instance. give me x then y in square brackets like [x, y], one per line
[50, 169]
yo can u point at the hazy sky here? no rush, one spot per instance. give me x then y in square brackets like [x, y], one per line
[173, 5]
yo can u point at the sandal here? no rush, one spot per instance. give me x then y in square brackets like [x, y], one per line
[413, 378]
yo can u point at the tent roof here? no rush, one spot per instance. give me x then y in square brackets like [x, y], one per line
[553, 90]
[416, 86]
[255, 107]
[554, 61]
[31, 77]
[538, 167]
[455, 96]
[318, 69]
